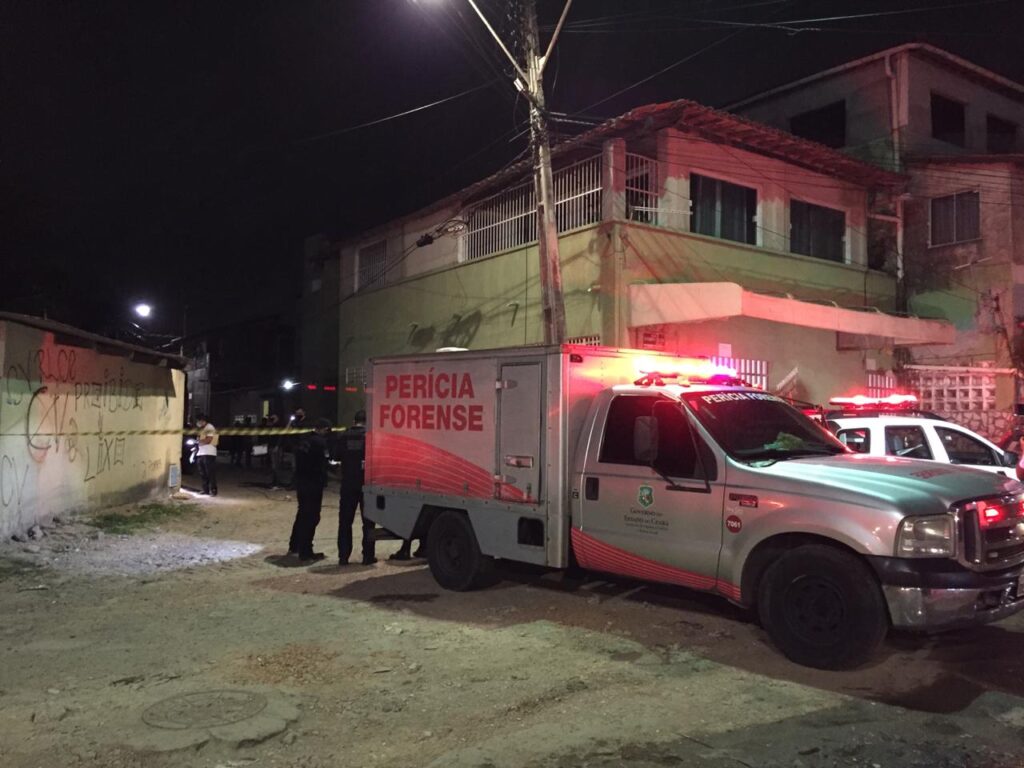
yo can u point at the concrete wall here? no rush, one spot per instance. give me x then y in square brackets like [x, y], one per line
[63, 409]
[867, 95]
[925, 76]
[495, 302]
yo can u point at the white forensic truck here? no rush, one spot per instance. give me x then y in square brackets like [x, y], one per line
[661, 468]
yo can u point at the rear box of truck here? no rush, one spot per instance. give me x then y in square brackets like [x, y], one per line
[491, 433]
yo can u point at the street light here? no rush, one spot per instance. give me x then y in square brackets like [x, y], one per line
[288, 385]
[529, 80]
[143, 309]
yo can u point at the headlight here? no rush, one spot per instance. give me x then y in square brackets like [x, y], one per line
[926, 536]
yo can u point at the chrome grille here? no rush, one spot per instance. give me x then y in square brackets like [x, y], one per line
[996, 542]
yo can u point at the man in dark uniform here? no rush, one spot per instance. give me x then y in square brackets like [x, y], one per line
[311, 460]
[353, 457]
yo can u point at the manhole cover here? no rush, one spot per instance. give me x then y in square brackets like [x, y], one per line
[204, 710]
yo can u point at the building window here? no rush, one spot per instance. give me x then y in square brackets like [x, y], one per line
[825, 125]
[948, 120]
[721, 209]
[817, 231]
[1001, 135]
[372, 268]
[955, 218]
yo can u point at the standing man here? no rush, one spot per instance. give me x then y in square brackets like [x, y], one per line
[288, 444]
[311, 459]
[353, 459]
[207, 454]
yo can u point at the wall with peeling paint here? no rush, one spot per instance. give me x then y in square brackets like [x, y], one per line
[68, 414]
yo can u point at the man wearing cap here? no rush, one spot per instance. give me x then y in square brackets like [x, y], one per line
[353, 458]
[311, 460]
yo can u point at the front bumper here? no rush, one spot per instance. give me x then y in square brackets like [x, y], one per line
[937, 609]
[938, 593]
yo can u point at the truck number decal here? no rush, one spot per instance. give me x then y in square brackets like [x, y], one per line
[734, 524]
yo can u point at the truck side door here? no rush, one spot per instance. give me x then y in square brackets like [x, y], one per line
[519, 436]
[636, 523]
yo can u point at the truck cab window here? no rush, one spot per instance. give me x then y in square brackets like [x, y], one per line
[677, 456]
[964, 449]
[617, 442]
[909, 442]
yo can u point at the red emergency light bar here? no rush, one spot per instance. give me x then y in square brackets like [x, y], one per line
[694, 369]
[863, 401]
[311, 387]
[330, 388]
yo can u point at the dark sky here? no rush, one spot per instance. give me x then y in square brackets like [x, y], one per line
[176, 151]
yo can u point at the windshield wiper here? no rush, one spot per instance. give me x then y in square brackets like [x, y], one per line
[783, 454]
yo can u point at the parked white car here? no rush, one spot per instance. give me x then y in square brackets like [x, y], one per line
[890, 427]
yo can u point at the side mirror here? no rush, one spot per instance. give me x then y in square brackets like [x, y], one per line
[1010, 458]
[645, 440]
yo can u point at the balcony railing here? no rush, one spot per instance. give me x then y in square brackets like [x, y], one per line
[641, 189]
[509, 219]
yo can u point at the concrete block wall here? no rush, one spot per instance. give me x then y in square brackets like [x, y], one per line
[66, 414]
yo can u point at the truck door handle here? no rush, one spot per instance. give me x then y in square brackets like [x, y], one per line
[592, 488]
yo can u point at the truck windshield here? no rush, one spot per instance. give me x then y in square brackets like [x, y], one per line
[757, 427]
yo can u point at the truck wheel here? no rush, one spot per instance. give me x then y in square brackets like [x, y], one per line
[822, 607]
[453, 554]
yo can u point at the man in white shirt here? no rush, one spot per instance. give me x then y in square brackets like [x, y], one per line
[206, 456]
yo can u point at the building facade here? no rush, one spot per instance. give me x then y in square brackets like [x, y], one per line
[955, 130]
[682, 229]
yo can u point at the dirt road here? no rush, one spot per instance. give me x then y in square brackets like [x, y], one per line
[194, 643]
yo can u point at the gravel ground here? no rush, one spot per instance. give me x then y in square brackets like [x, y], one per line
[200, 644]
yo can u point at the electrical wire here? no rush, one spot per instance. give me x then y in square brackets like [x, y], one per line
[380, 120]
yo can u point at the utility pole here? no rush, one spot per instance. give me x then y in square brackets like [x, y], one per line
[531, 83]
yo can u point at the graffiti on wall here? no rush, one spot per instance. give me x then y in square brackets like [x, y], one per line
[64, 415]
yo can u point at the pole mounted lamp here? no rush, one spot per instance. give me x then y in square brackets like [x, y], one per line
[530, 82]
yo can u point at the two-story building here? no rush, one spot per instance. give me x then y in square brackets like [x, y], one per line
[955, 129]
[682, 229]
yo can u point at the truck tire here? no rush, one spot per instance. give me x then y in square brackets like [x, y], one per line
[822, 607]
[453, 554]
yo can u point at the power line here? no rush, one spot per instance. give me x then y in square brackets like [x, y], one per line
[380, 120]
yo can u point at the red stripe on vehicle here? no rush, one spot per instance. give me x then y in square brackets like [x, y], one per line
[598, 556]
[404, 462]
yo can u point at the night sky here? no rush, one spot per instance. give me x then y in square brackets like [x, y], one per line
[180, 151]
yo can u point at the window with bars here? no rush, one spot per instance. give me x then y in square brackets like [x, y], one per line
[588, 341]
[641, 188]
[372, 266]
[509, 219]
[754, 372]
[955, 218]
[355, 378]
[881, 384]
[947, 390]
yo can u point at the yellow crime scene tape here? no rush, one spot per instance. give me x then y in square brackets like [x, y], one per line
[229, 431]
